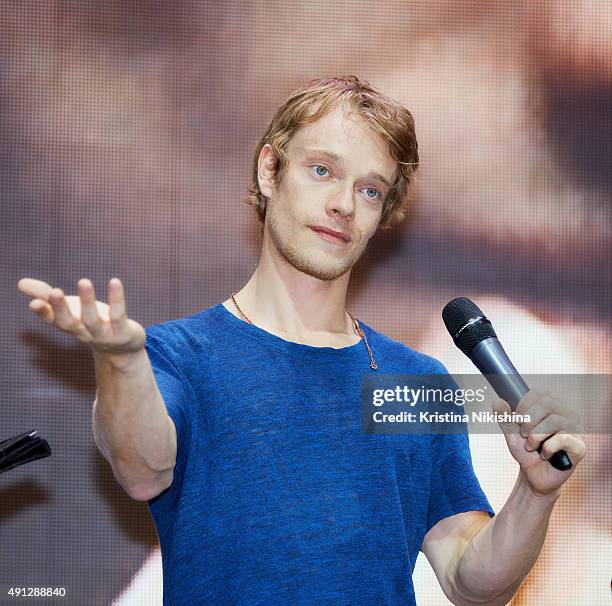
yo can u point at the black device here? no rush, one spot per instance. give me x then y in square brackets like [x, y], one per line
[22, 449]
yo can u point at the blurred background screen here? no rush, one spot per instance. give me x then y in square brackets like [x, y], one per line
[127, 131]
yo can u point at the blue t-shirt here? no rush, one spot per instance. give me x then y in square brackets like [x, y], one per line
[278, 497]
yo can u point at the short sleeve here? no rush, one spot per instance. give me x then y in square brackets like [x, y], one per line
[175, 394]
[454, 485]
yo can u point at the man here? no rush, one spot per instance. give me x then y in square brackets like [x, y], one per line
[240, 424]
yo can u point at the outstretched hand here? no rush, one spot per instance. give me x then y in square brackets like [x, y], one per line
[104, 327]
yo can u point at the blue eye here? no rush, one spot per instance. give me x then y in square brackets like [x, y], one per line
[372, 189]
[319, 173]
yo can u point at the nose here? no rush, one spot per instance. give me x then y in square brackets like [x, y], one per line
[342, 203]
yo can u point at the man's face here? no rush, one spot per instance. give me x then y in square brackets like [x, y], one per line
[338, 175]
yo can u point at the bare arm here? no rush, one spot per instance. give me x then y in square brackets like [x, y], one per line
[131, 426]
[484, 561]
[497, 560]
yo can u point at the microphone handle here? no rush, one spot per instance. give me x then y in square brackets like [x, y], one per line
[493, 362]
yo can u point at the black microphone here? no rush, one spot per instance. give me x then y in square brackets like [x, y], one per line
[473, 334]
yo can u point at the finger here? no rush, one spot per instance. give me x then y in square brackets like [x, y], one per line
[548, 402]
[89, 312]
[63, 318]
[501, 407]
[116, 300]
[35, 288]
[531, 398]
[42, 309]
[536, 415]
[573, 445]
[552, 424]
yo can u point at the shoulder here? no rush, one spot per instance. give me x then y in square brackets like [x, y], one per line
[183, 336]
[402, 357]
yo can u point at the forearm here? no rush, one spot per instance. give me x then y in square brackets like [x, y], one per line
[131, 425]
[496, 561]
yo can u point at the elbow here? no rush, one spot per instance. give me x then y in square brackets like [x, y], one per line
[462, 595]
[497, 599]
[145, 491]
[139, 495]
[488, 602]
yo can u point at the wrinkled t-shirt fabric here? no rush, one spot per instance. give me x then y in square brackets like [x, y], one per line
[278, 497]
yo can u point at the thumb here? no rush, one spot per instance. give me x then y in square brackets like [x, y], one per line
[502, 409]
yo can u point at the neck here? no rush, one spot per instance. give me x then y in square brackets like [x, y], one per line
[295, 305]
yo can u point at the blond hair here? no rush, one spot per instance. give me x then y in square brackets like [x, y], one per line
[385, 116]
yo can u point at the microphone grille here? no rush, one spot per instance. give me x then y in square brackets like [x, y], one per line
[457, 315]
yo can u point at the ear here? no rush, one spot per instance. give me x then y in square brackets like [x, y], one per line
[266, 170]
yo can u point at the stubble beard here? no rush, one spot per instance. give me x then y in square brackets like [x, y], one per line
[325, 267]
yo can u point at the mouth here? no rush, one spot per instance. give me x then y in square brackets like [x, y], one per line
[331, 235]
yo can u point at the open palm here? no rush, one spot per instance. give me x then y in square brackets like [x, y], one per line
[104, 327]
